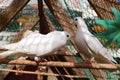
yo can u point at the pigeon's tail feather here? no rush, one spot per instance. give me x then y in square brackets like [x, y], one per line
[110, 55]
[112, 60]
[7, 53]
[104, 59]
[9, 46]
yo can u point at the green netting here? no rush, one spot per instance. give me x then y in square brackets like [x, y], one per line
[69, 10]
[13, 26]
[17, 22]
[110, 76]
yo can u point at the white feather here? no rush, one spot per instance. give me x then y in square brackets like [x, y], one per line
[89, 45]
[37, 44]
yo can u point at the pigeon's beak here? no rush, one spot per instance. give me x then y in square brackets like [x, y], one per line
[71, 21]
[71, 35]
[74, 23]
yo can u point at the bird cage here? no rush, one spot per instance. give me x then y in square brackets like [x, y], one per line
[46, 16]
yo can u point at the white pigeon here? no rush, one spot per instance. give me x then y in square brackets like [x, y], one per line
[36, 44]
[89, 45]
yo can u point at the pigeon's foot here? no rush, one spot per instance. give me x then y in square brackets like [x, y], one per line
[89, 62]
[18, 72]
[93, 60]
[41, 68]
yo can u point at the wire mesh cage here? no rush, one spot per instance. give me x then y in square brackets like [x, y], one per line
[24, 16]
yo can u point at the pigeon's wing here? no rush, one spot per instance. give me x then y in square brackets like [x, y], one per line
[53, 41]
[93, 43]
[34, 44]
[100, 53]
[25, 44]
[38, 44]
[11, 46]
[29, 45]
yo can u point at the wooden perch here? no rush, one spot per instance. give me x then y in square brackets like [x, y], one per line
[42, 73]
[65, 64]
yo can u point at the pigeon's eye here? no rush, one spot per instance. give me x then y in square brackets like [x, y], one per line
[67, 35]
[76, 19]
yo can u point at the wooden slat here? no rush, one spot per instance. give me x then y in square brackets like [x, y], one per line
[72, 59]
[7, 15]
[54, 68]
[32, 21]
[43, 73]
[64, 64]
[102, 7]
